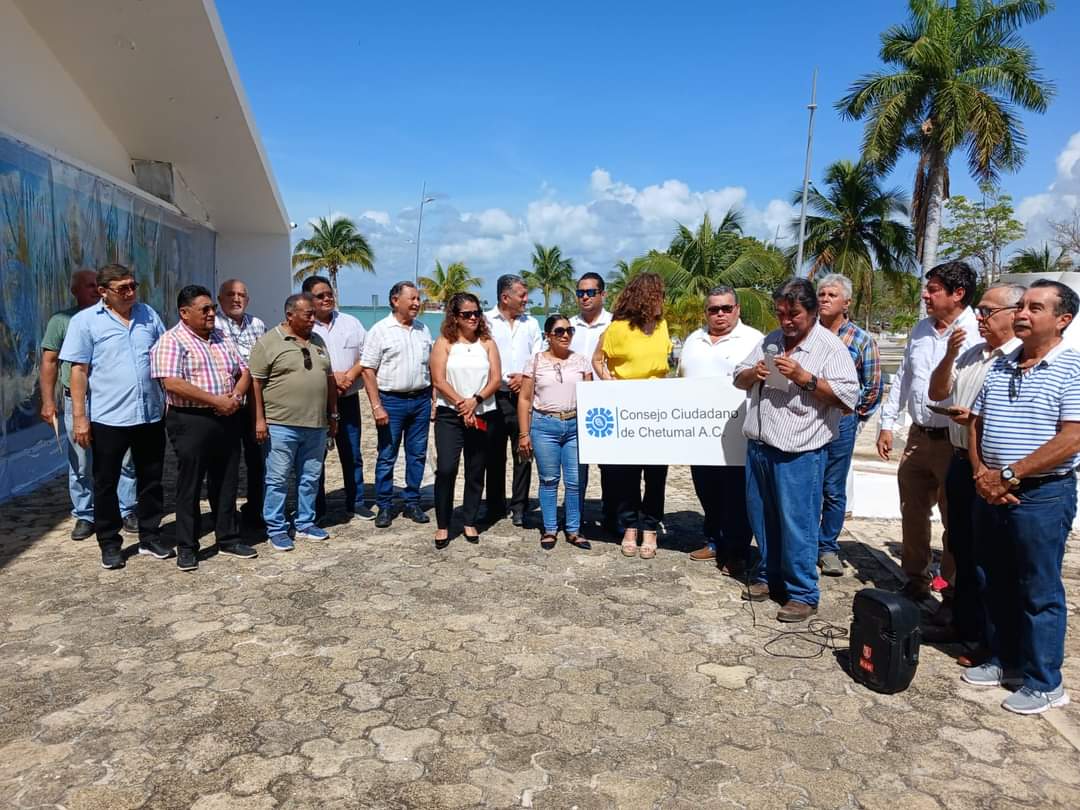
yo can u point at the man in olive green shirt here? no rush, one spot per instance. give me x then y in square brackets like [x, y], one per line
[295, 410]
[80, 459]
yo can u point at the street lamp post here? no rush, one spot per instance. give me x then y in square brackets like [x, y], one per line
[424, 200]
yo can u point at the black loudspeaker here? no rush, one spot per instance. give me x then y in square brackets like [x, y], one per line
[884, 640]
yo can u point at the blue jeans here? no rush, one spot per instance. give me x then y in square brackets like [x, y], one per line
[409, 418]
[352, 463]
[554, 444]
[288, 450]
[834, 494]
[81, 476]
[1018, 562]
[783, 503]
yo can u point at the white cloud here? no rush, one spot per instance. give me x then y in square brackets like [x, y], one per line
[1057, 202]
[381, 217]
[493, 221]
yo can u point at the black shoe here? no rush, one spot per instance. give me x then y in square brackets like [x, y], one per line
[83, 529]
[493, 516]
[415, 514]
[112, 559]
[155, 549]
[187, 559]
[242, 550]
[441, 544]
[471, 538]
[384, 519]
[517, 518]
[131, 525]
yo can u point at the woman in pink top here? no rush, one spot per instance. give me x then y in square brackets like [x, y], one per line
[547, 413]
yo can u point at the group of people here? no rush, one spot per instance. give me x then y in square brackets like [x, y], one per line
[994, 439]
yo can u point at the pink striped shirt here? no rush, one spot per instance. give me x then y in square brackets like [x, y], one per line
[212, 365]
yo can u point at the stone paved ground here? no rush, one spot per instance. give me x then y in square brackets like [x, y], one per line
[372, 671]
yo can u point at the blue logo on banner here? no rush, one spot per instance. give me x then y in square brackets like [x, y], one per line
[600, 422]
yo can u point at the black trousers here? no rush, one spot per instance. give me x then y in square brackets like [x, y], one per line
[502, 428]
[147, 445]
[969, 616]
[636, 510]
[255, 465]
[206, 446]
[452, 440]
[609, 504]
[722, 493]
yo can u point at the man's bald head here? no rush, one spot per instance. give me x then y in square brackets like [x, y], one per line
[84, 287]
[233, 298]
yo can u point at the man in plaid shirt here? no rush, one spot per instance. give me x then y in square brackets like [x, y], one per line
[234, 320]
[205, 381]
[834, 297]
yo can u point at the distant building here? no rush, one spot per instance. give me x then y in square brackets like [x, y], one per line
[124, 136]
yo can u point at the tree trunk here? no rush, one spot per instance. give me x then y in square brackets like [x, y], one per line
[333, 284]
[934, 203]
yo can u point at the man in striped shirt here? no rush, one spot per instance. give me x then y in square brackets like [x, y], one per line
[398, 384]
[800, 382]
[1024, 445]
[205, 382]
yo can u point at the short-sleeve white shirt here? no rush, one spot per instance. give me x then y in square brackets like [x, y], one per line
[517, 342]
[344, 338]
[399, 354]
[587, 335]
[701, 357]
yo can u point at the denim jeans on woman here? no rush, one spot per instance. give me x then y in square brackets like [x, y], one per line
[288, 450]
[554, 444]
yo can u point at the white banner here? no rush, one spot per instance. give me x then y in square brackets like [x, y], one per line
[671, 421]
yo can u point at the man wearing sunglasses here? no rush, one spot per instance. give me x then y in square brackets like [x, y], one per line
[296, 399]
[206, 381]
[955, 383]
[344, 337]
[714, 351]
[118, 406]
[589, 325]
[1024, 446]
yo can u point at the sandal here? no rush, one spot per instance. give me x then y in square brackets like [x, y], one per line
[648, 549]
[629, 543]
[578, 541]
[548, 541]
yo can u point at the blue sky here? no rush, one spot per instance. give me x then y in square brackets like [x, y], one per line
[595, 126]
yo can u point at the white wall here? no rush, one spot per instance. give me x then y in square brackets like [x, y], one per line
[40, 101]
[261, 261]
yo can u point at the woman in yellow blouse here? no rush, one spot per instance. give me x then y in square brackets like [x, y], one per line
[636, 346]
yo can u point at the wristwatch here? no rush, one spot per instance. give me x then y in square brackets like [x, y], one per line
[479, 399]
[1009, 477]
[811, 384]
[335, 416]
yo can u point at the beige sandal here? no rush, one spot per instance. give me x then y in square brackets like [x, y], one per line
[629, 543]
[648, 549]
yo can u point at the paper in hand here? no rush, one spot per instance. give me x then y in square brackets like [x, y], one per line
[56, 432]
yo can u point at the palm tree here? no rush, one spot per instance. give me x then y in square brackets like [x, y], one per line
[1033, 260]
[333, 244]
[853, 229]
[550, 273]
[446, 283]
[960, 72]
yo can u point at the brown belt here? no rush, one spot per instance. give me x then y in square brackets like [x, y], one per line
[933, 432]
[565, 416]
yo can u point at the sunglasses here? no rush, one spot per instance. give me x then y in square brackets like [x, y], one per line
[204, 310]
[562, 331]
[587, 293]
[323, 296]
[124, 289]
[989, 312]
[307, 357]
[727, 309]
[1014, 383]
[468, 314]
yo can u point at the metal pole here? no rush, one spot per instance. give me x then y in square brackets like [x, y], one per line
[806, 173]
[419, 224]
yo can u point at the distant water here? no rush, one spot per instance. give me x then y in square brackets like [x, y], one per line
[369, 316]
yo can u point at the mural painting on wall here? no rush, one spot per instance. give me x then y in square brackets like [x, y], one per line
[55, 219]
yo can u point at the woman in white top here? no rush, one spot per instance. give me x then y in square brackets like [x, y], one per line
[465, 371]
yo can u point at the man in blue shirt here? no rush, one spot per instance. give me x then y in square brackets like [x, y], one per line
[1024, 445]
[108, 346]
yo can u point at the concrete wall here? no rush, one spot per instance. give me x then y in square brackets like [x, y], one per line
[261, 261]
[40, 101]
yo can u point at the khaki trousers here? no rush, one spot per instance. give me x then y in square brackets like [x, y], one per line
[921, 477]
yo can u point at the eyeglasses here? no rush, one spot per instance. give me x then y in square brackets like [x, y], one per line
[304, 350]
[468, 314]
[124, 289]
[727, 309]
[204, 310]
[587, 293]
[990, 312]
[563, 331]
[323, 296]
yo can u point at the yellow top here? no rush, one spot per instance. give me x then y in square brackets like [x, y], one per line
[633, 355]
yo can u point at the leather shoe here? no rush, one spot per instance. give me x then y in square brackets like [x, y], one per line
[384, 519]
[415, 514]
[83, 529]
[703, 554]
[734, 567]
[517, 518]
[795, 612]
[756, 592]
[974, 657]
